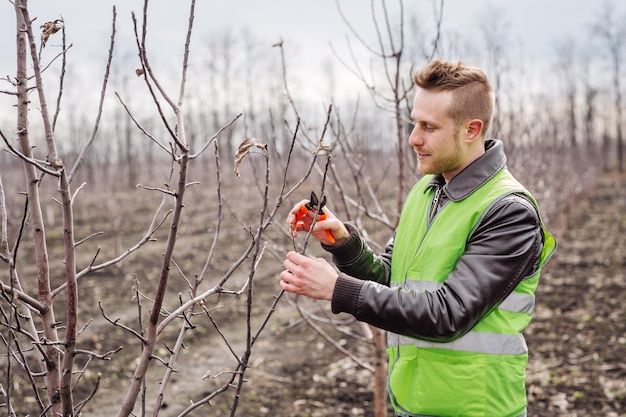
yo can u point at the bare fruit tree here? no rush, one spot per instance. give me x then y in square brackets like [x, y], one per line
[41, 344]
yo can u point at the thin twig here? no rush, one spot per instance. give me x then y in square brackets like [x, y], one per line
[118, 324]
[85, 150]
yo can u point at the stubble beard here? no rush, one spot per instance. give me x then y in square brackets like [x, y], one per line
[447, 164]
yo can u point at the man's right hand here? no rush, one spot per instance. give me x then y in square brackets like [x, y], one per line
[297, 223]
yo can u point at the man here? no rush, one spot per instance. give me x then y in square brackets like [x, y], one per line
[455, 286]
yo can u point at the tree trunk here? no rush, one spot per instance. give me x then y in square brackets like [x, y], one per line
[52, 356]
[380, 376]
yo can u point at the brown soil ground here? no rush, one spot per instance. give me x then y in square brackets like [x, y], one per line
[577, 339]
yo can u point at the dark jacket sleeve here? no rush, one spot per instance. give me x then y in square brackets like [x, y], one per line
[354, 257]
[504, 248]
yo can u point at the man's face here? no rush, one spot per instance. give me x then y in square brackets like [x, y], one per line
[436, 139]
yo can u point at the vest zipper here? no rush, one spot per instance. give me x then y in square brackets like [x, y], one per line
[431, 215]
[435, 204]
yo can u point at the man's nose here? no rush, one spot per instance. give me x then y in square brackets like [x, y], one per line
[415, 138]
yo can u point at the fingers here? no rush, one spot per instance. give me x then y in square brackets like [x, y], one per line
[335, 227]
[291, 263]
[294, 211]
[311, 277]
[294, 259]
[289, 278]
[287, 282]
[296, 221]
[328, 229]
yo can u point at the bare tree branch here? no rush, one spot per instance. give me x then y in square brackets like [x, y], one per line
[85, 150]
[41, 165]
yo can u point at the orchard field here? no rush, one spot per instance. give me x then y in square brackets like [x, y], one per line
[142, 216]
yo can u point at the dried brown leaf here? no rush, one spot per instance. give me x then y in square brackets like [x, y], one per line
[244, 149]
[49, 28]
[322, 149]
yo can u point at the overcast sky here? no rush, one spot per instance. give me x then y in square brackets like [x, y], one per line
[307, 27]
[316, 21]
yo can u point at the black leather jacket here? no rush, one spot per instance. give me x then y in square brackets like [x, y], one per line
[504, 249]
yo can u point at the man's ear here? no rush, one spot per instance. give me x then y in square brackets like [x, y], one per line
[473, 129]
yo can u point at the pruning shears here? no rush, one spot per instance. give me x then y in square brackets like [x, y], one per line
[315, 208]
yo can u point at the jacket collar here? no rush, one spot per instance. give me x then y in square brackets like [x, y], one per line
[475, 174]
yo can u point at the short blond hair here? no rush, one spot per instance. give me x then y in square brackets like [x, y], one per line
[473, 95]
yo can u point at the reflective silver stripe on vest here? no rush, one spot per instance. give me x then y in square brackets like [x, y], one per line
[477, 342]
[418, 286]
[519, 303]
[515, 302]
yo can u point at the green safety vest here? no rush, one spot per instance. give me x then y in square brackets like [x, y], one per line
[481, 374]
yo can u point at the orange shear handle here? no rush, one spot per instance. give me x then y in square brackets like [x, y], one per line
[304, 211]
